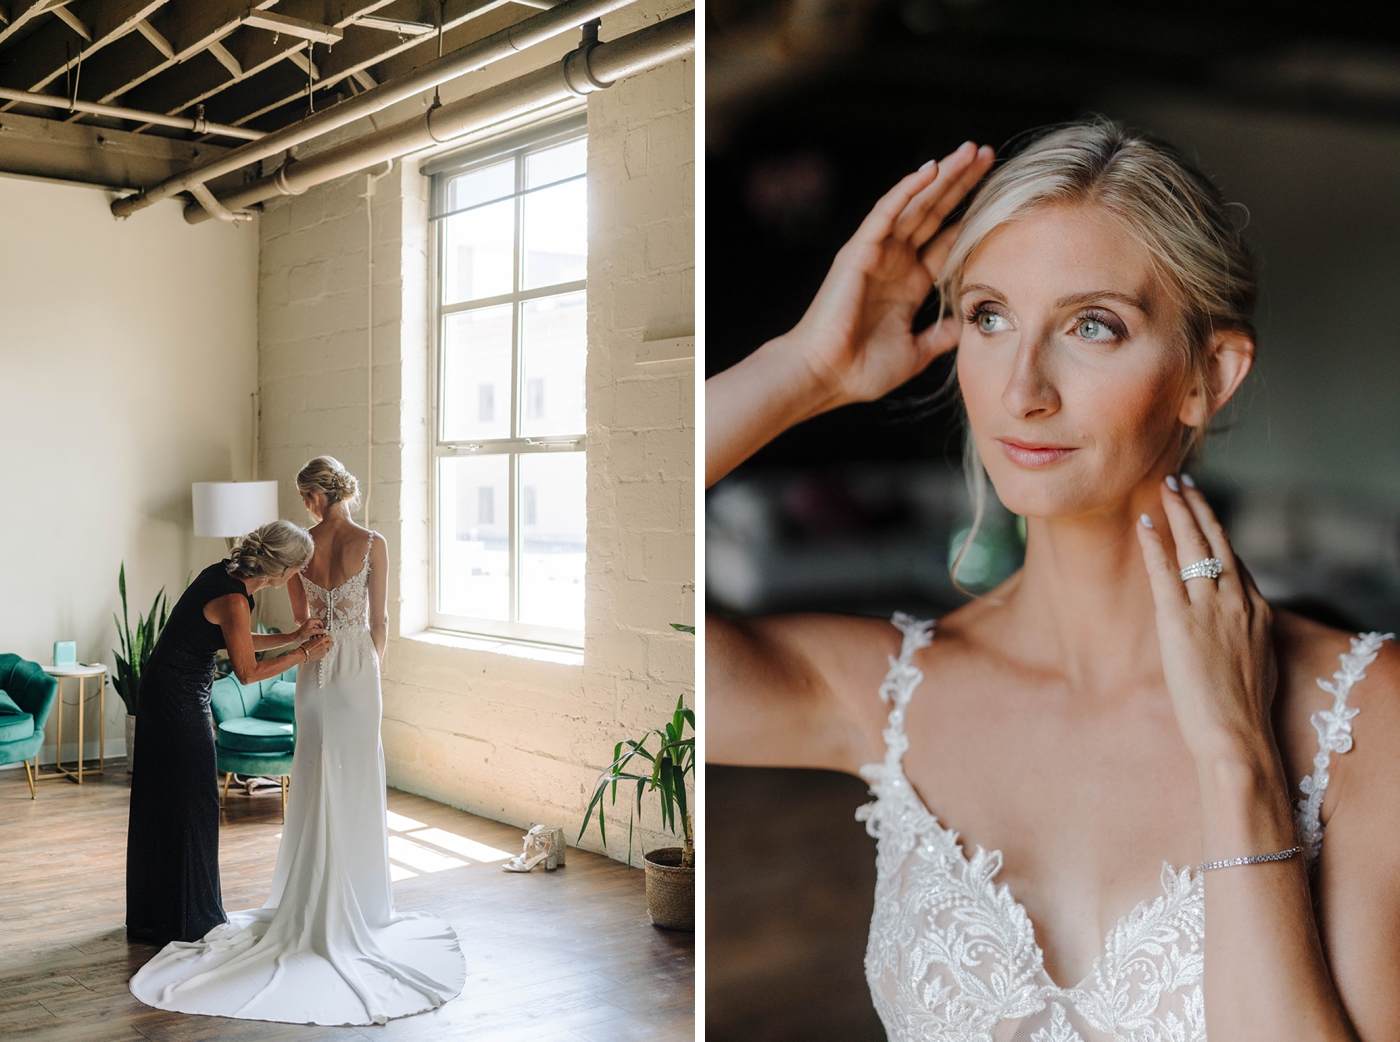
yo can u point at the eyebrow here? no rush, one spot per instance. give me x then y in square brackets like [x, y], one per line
[1135, 301]
[1140, 302]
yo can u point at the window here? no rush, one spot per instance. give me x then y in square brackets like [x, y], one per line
[509, 471]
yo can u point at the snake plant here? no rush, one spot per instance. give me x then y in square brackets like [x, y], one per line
[136, 646]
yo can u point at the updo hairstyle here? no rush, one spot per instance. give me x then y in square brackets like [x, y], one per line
[326, 474]
[1157, 199]
[270, 551]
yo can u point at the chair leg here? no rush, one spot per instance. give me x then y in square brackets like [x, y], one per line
[228, 777]
[30, 775]
[284, 799]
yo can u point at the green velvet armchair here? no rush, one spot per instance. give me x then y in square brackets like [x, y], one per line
[27, 695]
[256, 728]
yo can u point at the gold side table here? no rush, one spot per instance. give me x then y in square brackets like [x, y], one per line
[82, 671]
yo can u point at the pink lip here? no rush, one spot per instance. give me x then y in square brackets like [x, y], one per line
[1033, 455]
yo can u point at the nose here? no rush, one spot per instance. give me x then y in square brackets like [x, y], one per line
[1030, 392]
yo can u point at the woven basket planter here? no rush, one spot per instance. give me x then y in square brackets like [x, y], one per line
[670, 889]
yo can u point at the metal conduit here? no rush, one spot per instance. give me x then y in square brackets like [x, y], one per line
[92, 108]
[593, 66]
[568, 15]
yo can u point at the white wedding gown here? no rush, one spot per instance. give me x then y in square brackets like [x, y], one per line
[952, 955]
[327, 947]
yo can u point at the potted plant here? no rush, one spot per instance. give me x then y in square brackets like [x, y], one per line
[135, 653]
[670, 871]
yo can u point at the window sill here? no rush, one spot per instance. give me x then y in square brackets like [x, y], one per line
[499, 646]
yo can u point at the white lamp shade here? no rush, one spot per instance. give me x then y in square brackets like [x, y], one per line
[233, 508]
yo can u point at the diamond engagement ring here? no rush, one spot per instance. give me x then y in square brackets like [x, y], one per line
[1210, 568]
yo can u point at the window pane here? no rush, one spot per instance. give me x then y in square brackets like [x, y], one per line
[554, 352]
[476, 384]
[474, 536]
[555, 164]
[556, 234]
[481, 186]
[552, 488]
[478, 252]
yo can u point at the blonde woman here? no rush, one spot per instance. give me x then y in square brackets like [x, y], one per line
[328, 946]
[1135, 751]
[172, 846]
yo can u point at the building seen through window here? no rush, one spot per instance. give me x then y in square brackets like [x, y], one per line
[509, 467]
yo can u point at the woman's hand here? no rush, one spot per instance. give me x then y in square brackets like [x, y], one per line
[1215, 635]
[856, 336]
[856, 341]
[308, 629]
[318, 647]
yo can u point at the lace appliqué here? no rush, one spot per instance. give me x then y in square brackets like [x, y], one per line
[952, 956]
[344, 610]
[1333, 735]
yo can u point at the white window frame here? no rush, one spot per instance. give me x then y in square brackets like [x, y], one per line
[441, 171]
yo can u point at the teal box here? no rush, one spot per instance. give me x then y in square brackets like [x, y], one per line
[65, 653]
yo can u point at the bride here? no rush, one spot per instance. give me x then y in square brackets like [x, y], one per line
[327, 947]
[1134, 748]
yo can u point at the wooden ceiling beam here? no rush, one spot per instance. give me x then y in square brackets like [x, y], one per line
[364, 47]
[22, 13]
[255, 51]
[172, 35]
[55, 47]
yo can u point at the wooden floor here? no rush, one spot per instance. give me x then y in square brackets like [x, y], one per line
[789, 890]
[567, 955]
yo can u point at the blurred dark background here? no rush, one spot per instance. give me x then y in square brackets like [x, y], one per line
[814, 108]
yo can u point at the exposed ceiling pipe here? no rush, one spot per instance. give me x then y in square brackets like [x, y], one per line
[474, 56]
[92, 108]
[593, 66]
[207, 200]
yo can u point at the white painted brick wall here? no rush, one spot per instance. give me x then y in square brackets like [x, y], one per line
[517, 738]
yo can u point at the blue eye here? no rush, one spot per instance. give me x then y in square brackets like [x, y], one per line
[990, 322]
[1093, 329]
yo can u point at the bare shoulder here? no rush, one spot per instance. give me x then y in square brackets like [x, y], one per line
[809, 684]
[850, 652]
[1309, 652]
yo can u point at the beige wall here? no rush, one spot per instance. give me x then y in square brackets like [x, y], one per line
[514, 734]
[127, 361]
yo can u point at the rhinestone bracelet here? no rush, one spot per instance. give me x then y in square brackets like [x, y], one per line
[1258, 859]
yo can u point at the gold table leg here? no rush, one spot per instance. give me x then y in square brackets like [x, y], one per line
[82, 692]
[76, 773]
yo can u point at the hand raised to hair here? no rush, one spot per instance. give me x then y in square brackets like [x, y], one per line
[856, 336]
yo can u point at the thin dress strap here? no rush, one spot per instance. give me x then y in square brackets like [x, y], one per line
[887, 779]
[1333, 736]
[900, 682]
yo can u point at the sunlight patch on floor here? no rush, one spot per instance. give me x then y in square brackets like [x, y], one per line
[415, 848]
[419, 857]
[468, 848]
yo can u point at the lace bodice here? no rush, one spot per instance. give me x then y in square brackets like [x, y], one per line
[347, 606]
[344, 610]
[953, 956]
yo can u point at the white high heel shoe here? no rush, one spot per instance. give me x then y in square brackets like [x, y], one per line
[543, 845]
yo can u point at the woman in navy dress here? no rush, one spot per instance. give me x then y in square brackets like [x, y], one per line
[172, 848]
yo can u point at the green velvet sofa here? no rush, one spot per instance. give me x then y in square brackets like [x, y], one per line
[27, 695]
[255, 728]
